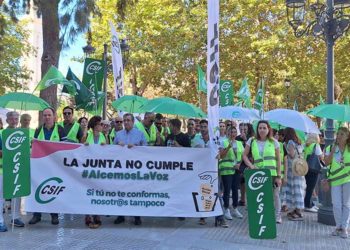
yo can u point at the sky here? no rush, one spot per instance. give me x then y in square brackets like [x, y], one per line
[66, 57]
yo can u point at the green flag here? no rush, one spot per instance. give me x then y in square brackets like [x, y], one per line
[295, 106]
[92, 107]
[16, 162]
[244, 93]
[93, 73]
[226, 93]
[259, 98]
[52, 77]
[82, 95]
[202, 83]
[346, 100]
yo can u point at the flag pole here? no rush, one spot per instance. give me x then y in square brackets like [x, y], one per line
[104, 112]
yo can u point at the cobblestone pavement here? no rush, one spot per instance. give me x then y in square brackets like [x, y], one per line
[167, 233]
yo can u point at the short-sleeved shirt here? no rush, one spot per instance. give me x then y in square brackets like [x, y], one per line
[261, 144]
[296, 146]
[181, 138]
[133, 136]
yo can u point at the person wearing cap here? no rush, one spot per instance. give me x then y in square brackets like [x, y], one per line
[266, 155]
[294, 186]
[71, 128]
[106, 126]
[337, 158]
[49, 131]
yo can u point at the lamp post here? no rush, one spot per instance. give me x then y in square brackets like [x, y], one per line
[330, 22]
[287, 83]
[89, 49]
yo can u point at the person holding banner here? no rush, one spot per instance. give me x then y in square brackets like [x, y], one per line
[266, 155]
[202, 141]
[191, 132]
[83, 121]
[106, 126]
[117, 126]
[337, 158]
[95, 136]
[148, 128]
[12, 121]
[49, 131]
[131, 137]
[71, 128]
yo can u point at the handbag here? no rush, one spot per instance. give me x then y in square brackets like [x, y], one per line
[313, 161]
[299, 165]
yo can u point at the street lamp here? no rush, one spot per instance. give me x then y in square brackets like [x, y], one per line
[330, 22]
[124, 47]
[89, 49]
[287, 83]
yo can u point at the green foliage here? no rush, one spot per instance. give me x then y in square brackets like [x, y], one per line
[167, 38]
[13, 48]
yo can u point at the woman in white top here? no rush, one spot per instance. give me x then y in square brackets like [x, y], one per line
[264, 137]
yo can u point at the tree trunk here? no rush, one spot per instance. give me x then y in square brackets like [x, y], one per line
[51, 46]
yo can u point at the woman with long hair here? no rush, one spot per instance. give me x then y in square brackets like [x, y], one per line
[312, 144]
[266, 155]
[83, 121]
[295, 184]
[337, 158]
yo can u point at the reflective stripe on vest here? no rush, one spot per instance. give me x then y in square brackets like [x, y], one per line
[226, 164]
[73, 132]
[151, 138]
[90, 138]
[339, 174]
[268, 161]
[55, 136]
[112, 136]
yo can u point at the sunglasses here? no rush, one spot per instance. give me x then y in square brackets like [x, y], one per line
[67, 113]
[158, 123]
[118, 121]
[151, 120]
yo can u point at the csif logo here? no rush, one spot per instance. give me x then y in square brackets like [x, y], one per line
[15, 140]
[257, 180]
[225, 86]
[48, 190]
[93, 67]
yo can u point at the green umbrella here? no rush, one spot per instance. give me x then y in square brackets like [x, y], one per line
[166, 105]
[22, 101]
[339, 112]
[130, 103]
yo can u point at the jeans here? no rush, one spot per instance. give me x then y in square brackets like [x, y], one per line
[341, 205]
[226, 183]
[311, 180]
[234, 187]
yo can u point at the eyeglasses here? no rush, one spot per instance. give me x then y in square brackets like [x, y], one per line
[118, 121]
[158, 123]
[106, 125]
[151, 120]
[67, 113]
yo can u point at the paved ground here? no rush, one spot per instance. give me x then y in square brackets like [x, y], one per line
[167, 233]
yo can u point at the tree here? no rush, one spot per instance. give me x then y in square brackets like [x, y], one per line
[62, 21]
[168, 38]
[13, 47]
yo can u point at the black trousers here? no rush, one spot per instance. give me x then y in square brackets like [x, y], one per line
[39, 215]
[226, 183]
[311, 180]
[236, 180]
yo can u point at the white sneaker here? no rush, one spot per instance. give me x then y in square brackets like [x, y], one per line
[311, 210]
[236, 213]
[278, 219]
[344, 234]
[227, 214]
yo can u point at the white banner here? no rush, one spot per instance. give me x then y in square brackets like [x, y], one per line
[213, 70]
[117, 62]
[114, 180]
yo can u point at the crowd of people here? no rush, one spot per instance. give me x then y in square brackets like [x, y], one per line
[241, 147]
